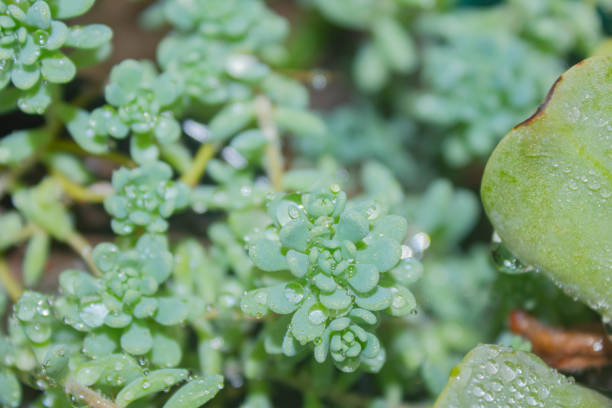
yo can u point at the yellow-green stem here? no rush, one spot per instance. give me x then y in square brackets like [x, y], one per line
[69, 146]
[198, 166]
[274, 156]
[82, 247]
[11, 285]
[76, 191]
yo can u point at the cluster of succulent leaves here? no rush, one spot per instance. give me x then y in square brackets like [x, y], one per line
[342, 263]
[307, 279]
[31, 58]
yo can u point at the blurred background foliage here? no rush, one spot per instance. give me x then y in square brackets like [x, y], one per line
[400, 101]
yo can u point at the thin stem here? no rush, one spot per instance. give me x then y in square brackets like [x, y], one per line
[77, 191]
[198, 166]
[82, 247]
[274, 157]
[87, 395]
[12, 286]
[69, 146]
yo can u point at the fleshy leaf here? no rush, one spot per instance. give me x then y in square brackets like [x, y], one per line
[547, 187]
[71, 8]
[89, 36]
[10, 390]
[267, 256]
[495, 376]
[137, 340]
[196, 393]
[156, 381]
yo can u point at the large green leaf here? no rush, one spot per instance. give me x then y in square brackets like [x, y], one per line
[547, 187]
[493, 376]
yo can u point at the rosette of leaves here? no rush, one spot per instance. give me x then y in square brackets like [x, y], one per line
[123, 310]
[141, 101]
[332, 267]
[31, 41]
[144, 197]
[245, 24]
[559, 26]
[389, 49]
[476, 85]
[220, 48]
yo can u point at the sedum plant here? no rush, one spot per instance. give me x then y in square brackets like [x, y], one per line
[218, 223]
[31, 56]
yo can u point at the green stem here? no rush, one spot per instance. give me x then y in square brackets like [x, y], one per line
[69, 146]
[77, 191]
[12, 286]
[274, 156]
[198, 166]
[80, 245]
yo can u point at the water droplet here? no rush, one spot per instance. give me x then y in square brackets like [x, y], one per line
[40, 37]
[506, 261]
[317, 315]
[294, 292]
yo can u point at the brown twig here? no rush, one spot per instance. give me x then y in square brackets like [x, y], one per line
[563, 349]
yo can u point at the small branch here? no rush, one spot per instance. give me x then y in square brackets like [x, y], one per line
[69, 146]
[563, 349]
[274, 157]
[88, 396]
[77, 191]
[82, 247]
[198, 166]
[12, 286]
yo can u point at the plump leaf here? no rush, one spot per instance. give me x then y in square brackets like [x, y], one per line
[35, 100]
[196, 393]
[547, 187]
[89, 36]
[35, 258]
[10, 390]
[156, 381]
[71, 8]
[495, 376]
[230, 120]
[19, 145]
[266, 255]
[137, 339]
[171, 311]
[58, 69]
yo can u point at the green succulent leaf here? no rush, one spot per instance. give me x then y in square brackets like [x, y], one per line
[72, 8]
[266, 255]
[547, 187]
[10, 389]
[21, 144]
[57, 69]
[35, 258]
[493, 376]
[155, 382]
[89, 36]
[196, 392]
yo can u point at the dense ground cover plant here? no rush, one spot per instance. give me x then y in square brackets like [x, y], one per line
[236, 239]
